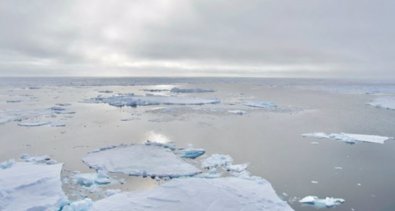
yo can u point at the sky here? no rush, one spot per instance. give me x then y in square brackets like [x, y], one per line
[237, 38]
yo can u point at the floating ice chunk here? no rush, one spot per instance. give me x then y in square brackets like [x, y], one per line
[192, 90]
[30, 186]
[91, 179]
[133, 100]
[7, 164]
[197, 194]
[44, 159]
[262, 104]
[191, 153]
[81, 205]
[239, 112]
[384, 102]
[349, 137]
[237, 167]
[33, 123]
[217, 160]
[321, 203]
[140, 160]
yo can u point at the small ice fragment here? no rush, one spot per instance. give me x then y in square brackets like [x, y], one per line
[239, 112]
[314, 182]
[91, 179]
[237, 167]
[217, 160]
[321, 203]
[338, 168]
[42, 159]
[191, 153]
[7, 164]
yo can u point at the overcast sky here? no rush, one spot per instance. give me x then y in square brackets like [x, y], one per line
[273, 38]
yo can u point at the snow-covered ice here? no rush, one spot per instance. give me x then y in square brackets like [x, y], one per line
[140, 160]
[80, 205]
[387, 102]
[30, 186]
[349, 138]
[135, 100]
[228, 193]
[321, 203]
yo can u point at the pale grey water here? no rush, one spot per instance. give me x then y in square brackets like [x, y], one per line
[270, 142]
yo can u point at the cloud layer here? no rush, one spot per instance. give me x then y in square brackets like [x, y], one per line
[307, 38]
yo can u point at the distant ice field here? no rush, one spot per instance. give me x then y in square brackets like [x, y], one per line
[277, 139]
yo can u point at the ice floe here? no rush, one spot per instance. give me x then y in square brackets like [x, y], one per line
[322, 203]
[387, 102]
[190, 90]
[349, 137]
[135, 100]
[140, 160]
[52, 116]
[239, 112]
[30, 186]
[262, 104]
[227, 193]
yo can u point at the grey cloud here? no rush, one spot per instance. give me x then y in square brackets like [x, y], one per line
[347, 38]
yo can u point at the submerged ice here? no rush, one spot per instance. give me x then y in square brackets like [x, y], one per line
[349, 137]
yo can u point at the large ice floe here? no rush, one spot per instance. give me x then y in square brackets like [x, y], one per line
[227, 193]
[322, 203]
[136, 100]
[349, 137]
[190, 187]
[387, 102]
[30, 186]
[140, 160]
